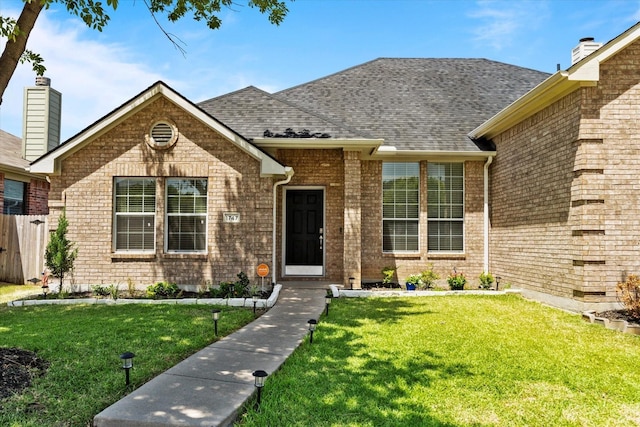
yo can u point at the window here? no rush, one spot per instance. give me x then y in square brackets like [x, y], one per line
[14, 197]
[186, 214]
[135, 213]
[400, 206]
[445, 207]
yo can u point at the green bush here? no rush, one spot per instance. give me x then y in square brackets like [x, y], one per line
[163, 290]
[486, 280]
[428, 277]
[387, 275]
[99, 290]
[456, 281]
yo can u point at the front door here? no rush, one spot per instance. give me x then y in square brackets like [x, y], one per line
[304, 237]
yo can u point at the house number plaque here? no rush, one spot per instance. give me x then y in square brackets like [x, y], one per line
[231, 217]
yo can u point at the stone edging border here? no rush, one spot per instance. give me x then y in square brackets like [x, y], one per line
[231, 302]
[617, 325]
[357, 293]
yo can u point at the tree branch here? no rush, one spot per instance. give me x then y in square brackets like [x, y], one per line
[14, 48]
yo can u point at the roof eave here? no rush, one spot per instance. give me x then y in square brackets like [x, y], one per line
[583, 73]
[391, 153]
[347, 144]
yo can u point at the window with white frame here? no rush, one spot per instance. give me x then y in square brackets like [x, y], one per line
[135, 214]
[14, 197]
[400, 206]
[186, 215]
[445, 207]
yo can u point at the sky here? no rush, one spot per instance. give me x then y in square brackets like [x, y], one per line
[98, 71]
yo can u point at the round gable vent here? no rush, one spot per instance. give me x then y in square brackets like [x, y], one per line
[162, 134]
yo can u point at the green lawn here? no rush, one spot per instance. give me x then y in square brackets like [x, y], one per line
[10, 292]
[455, 361]
[83, 344]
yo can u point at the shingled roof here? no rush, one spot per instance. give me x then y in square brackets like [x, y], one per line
[11, 152]
[252, 111]
[413, 104]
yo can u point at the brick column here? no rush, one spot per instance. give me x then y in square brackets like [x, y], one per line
[352, 219]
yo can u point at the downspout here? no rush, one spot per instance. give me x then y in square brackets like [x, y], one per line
[485, 264]
[288, 171]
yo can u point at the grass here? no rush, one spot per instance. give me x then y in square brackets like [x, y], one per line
[454, 361]
[9, 292]
[83, 344]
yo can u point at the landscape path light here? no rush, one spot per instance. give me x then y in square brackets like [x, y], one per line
[127, 364]
[327, 301]
[255, 301]
[312, 327]
[216, 317]
[351, 281]
[259, 377]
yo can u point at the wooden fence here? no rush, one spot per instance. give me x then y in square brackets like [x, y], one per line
[23, 239]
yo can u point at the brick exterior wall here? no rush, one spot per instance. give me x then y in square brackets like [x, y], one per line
[565, 197]
[36, 198]
[85, 188]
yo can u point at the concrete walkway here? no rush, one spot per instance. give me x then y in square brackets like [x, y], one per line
[210, 387]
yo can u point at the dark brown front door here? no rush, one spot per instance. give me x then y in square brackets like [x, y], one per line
[304, 243]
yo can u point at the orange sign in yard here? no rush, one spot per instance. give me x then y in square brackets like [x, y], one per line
[263, 270]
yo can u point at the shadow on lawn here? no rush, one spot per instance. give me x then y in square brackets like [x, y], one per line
[342, 378]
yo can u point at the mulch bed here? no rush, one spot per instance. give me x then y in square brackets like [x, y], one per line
[17, 368]
[618, 315]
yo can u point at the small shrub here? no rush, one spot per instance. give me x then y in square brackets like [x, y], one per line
[456, 281]
[387, 275]
[486, 280]
[99, 290]
[131, 287]
[163, 290]
[428, 277]
[113, 291]
[628, 293]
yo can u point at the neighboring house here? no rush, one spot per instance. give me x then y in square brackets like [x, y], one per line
[21, 193]
[378, 165]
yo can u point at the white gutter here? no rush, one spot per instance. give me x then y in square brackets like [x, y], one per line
[485, 264]
[288, 170]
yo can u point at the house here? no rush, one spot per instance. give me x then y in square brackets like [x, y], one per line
[163, 189]
[460, 163]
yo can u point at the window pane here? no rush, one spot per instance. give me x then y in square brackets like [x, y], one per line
[186, 214]
[14, 197]
[400, 208]
[445, 206]
[135, 206]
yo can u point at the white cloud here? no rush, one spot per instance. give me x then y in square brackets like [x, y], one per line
[93, 77]
[503, 21]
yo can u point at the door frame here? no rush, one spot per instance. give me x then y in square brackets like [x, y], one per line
[292, 271]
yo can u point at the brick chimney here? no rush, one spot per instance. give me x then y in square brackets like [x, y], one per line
[585, 48]
[41, 119]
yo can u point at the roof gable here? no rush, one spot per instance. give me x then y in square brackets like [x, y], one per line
[50, 162]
